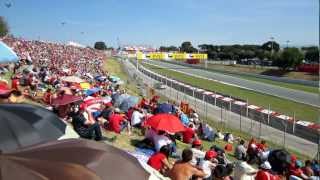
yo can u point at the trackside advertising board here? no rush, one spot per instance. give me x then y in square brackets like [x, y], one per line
[171, 56]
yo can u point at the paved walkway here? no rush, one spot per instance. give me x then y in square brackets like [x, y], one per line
[231, 119]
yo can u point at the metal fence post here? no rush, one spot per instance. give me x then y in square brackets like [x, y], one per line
[247, 108]
[284, 134]
[170, 87]
[221, 116]
[204, 104]
[260, 126]
[230, 103]
[215, 99]
[294, 122]
[240, 120]
[269, 114]
[184, 94]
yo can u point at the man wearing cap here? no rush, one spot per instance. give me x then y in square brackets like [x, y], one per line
[264, 172]
[117, 122]
[208, 164]
[198, 154]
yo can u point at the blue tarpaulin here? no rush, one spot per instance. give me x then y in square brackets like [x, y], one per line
[91, 91]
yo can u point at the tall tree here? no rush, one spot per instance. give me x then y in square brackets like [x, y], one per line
[4, 29]
[271, 45]
[311, 53]
[100, 45]
[168, 49]
[289, 58]
[187, 47]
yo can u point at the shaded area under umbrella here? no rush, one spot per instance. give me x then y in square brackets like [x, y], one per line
[71, 159]
[165, 122]
[24, 125]
[65, 99]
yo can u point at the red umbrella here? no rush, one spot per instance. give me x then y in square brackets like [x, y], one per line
[165, 122]
[4, 88]
[65, 99]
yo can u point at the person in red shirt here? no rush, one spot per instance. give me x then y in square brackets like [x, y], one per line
[159, 160]
[265, 172]
[188, 135]
[117, 122]
[47, 96]
[261, 147]
[297, 171]
[15, 83]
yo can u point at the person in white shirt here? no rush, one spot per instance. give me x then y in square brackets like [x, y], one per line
[243, 171]
[208, 164]
[160, 140]
[198, 154]
[136, 118]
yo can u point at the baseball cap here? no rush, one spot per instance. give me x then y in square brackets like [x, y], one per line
[211, 154]
[265, 165]
[197, 142]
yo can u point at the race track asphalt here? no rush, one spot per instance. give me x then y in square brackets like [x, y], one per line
[285, 93]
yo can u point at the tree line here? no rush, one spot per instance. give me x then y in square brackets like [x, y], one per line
[288, 57]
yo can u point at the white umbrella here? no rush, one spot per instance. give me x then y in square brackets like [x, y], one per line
[72, 79]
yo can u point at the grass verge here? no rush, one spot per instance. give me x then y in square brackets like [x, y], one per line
[114, 67]
[301, 111]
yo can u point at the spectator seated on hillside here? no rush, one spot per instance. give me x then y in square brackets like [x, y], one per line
[118, 122]
[161, 139]
[222, 158]
[198, 154]
[208, 164]
[183, 169]
[296, 171]
[137, 117]
[159, 160]
[86, 128]
[241, 151]
[228, 137]
[183, 117]
[189, 134]
[244, 171]
[206, 132]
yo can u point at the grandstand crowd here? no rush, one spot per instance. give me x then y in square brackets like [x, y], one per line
[71, 82]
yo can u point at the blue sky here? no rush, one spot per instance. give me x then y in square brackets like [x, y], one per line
[165, 22]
